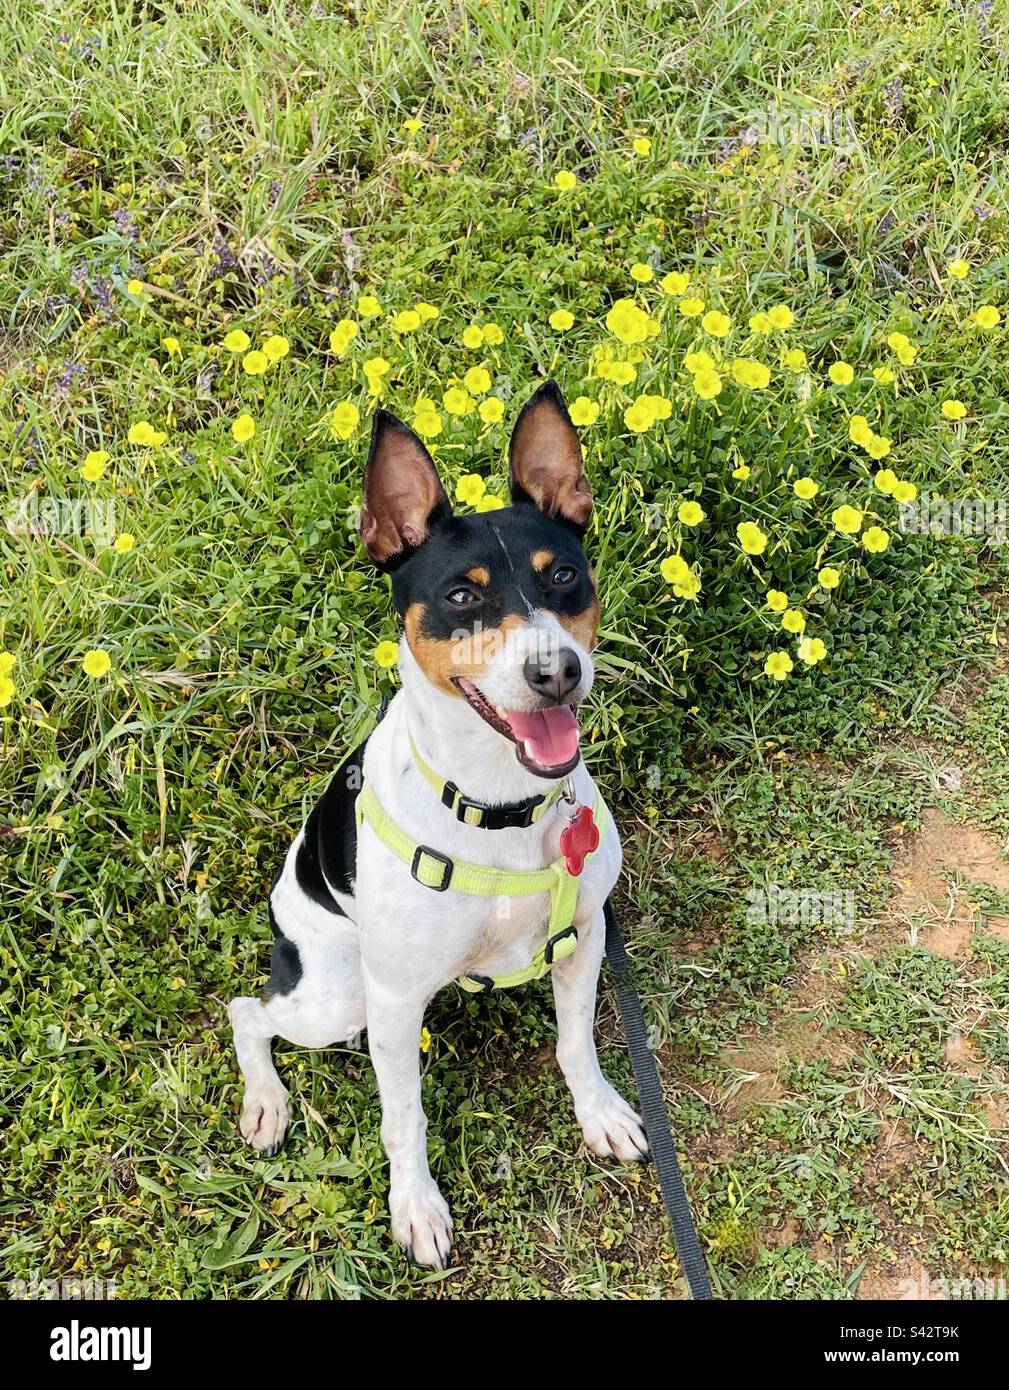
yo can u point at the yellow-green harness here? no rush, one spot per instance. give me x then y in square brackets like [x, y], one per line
[439, 872]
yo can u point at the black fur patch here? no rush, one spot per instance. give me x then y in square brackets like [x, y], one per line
[328, 853]
[503, 543]
[285, 963]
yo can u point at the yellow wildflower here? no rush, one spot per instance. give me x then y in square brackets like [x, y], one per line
[94, 465]
[847, 519]
[470, 488]
[477, 380]
[628, 322]
[96, 663]
[778, 665]
[716, 323]
[751, 537]
[427, 423]
[811, 650]
[707, 384]
[343, 420]
[457, 401]
[698, 362]
[406, 321]
[841, 373]
[675, 283]
[343, 335]
[584, 411]
[276, 347]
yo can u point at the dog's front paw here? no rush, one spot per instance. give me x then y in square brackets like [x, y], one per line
[422, 1223]
[265, 1114]
[611, 1128]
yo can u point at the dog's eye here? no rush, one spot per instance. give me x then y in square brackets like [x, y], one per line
[461, 597]
[565, 574]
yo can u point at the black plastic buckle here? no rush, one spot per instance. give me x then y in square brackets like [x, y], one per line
[516, 817]
[548, 950]
[465, 804]
[443, 859]
[484, 981]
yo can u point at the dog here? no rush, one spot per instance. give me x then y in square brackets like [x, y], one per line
[418, 864]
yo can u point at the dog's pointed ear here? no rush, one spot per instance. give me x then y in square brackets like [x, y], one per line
[403, 495]
[545, 458]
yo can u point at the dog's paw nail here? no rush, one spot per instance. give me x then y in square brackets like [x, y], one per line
[264, 1120]
[422, 1225]
[612, 1129]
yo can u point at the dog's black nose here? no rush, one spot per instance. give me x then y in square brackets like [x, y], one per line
[554, 676]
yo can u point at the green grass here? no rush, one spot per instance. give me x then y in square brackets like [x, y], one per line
[142, 814]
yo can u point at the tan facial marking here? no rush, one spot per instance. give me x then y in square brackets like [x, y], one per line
[441, 658]
[583, 626]
[542, 558]
[479, 575]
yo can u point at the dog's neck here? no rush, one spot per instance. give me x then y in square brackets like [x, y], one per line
[456, 743]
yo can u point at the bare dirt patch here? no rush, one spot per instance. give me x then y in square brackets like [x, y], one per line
[927, 872]
[910, 1279]
[803, 1034]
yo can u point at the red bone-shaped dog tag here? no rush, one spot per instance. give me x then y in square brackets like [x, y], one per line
[579, 838]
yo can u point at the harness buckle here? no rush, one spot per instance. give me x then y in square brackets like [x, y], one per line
[464, 803]
[442, 859]
[520, 816]
[549, 948]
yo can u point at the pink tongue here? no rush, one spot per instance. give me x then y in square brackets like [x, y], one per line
[550, 736]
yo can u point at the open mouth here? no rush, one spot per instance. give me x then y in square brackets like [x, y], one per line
[546, 740]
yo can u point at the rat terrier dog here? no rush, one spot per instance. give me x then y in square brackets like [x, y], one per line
[465, 840]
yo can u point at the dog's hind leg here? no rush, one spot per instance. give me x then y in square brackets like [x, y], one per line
[265, 1110]
[315, 999]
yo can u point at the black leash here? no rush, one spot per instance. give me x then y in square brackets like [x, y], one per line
[653, 1112]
